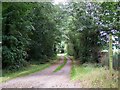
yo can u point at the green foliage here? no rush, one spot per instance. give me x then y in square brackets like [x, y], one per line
[89, 28]
[83, 33]
[30, 33]
[14, 37]
[43, 38]
[35, 31]
[70, 49]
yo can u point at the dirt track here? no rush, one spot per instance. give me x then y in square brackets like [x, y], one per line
[45, 79]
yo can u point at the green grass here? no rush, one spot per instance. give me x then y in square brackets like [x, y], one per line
[31, 68]
[26, 71]
[91, 76]
[61, 66]
[78, 72]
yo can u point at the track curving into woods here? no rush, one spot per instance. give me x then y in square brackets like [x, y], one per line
[45, 78]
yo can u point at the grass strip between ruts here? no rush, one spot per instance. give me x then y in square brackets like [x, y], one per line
[61, 66]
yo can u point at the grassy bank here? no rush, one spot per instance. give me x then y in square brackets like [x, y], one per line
[32, 67]
[25, 71]
[92, 76]
[61, 66]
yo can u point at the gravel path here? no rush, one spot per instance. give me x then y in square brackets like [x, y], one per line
[45, 79]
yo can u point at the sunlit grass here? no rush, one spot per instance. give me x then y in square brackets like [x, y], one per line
[91, 76]
[78, 72]
[26, 71]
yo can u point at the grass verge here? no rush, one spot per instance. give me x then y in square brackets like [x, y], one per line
[91, 76]
[26, 71]
[61, 66]
[31, 68]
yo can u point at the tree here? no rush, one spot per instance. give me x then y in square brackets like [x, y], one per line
[91, 25]
[30, 33]
[15, 35]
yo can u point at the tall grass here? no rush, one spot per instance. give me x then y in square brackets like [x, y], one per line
[92, 76]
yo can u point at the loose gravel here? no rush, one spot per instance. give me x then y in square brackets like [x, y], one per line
[45, 78]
